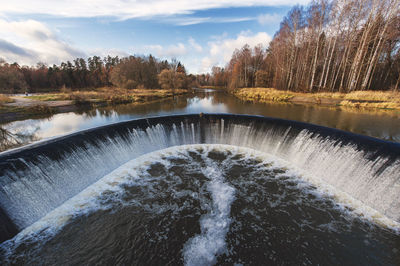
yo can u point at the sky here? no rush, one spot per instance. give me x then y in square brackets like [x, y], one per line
[199, 33]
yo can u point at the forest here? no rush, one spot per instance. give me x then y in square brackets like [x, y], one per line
[133, 72]
[327, 46]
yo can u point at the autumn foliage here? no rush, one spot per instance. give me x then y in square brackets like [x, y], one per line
[133, 72]
[329, 45]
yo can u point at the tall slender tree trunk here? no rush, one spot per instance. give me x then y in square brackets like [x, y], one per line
[377, 48]
[304, 67]
[325, 62]
[291, 69]
[396, 87]
[329, 63]
[344, 65]
[314, 67]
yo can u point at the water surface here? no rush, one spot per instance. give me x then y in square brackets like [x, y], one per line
[201, 205]
[380, 124]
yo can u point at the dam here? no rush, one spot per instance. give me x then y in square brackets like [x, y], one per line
[217, 161]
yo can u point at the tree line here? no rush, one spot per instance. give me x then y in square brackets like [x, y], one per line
[143, 72]
[339, 45]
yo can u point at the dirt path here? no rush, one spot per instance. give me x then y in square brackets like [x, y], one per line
[21, 101]
[23, 108]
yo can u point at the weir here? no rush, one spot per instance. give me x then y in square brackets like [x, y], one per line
[37, 178]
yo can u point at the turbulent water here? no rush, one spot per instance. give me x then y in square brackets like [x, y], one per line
[205, 204]
[368, 180]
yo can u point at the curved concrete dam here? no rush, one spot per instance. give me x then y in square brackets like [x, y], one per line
[36, 179]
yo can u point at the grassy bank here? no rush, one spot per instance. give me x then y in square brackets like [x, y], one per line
[5, 99]
[213, 87]
[263, 95]
[108, 95]
[46, 104]
[358, 99]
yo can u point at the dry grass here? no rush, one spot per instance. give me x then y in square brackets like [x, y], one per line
[48, 97]
[358, 99]
[381, 105]
[115, 96]
[264, 95]
[378, 96]
[107, 94]
[369, 99]
[46, 104]
[5, 99]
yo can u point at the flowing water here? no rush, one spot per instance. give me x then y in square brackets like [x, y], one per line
[200, 205]
[229, 191]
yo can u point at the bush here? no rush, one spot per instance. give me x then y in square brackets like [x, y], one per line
[5, 99]
[40, 109]
[130, 85]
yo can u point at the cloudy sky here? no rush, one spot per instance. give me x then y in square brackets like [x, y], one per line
[200, 33]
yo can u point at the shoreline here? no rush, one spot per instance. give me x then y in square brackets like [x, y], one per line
[358, 100]
[38, 105]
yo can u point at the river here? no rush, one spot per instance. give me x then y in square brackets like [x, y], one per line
[221, 192]
[376, 123]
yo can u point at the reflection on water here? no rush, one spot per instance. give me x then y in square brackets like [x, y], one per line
[9, 139]
[384, 125]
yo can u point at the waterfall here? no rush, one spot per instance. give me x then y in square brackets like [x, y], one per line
[38, 178]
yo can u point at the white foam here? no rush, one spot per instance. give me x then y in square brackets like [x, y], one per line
[30, 194]
[215, 225]
[203, 248]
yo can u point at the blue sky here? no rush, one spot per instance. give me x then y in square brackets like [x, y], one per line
[200, 33]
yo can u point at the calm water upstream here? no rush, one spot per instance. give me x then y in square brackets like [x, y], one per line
[379, 124]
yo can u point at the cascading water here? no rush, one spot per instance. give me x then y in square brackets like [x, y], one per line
[39, 181]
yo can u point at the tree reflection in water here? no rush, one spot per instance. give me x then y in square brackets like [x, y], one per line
[384, 125]
[9, 140]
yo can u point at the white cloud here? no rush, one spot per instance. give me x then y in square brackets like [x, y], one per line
[228, 20]
[188, 20]
[195, 45]
[189, 53]
[269, 18]
[171, 51]
[220, 51]
[29, 41]
[124, 9]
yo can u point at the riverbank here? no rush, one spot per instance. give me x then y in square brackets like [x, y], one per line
[217, 88]
[5, 99]
[46, 104]
[357, 99]
[374, 122]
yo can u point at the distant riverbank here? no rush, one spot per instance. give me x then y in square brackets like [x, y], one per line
[357, 99]
[15, 107]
